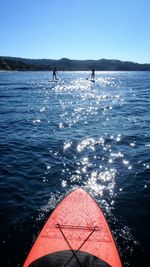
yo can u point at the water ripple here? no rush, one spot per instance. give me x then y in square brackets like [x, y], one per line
[55, 137]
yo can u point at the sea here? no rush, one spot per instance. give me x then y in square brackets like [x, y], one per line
[74, 133]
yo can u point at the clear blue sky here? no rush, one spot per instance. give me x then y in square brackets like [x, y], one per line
[77, 29]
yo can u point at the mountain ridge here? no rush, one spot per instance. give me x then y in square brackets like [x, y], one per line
[66, 64]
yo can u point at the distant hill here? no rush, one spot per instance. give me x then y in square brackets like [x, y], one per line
[22, 64]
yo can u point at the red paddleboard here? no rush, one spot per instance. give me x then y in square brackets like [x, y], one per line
[76, 234]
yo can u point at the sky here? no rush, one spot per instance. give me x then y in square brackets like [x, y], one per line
[76, 29]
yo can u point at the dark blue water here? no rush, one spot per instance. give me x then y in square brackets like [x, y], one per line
[55, 137]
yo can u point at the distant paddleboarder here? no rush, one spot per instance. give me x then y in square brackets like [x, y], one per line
[93, 74]
[55, 74]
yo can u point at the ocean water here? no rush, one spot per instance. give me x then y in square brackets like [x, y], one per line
[56, 137]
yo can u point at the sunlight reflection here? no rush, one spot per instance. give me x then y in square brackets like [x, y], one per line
[67, 145]
[102, 182]
[42, 109]
[36, 121]
[89, 143]
[117, 155]
[126, 162]
[64, 183]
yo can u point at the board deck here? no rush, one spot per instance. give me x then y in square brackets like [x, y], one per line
[54, 81]
[77, 225]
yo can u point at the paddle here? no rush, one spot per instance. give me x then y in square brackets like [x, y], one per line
[59, 76]
[88, 77]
